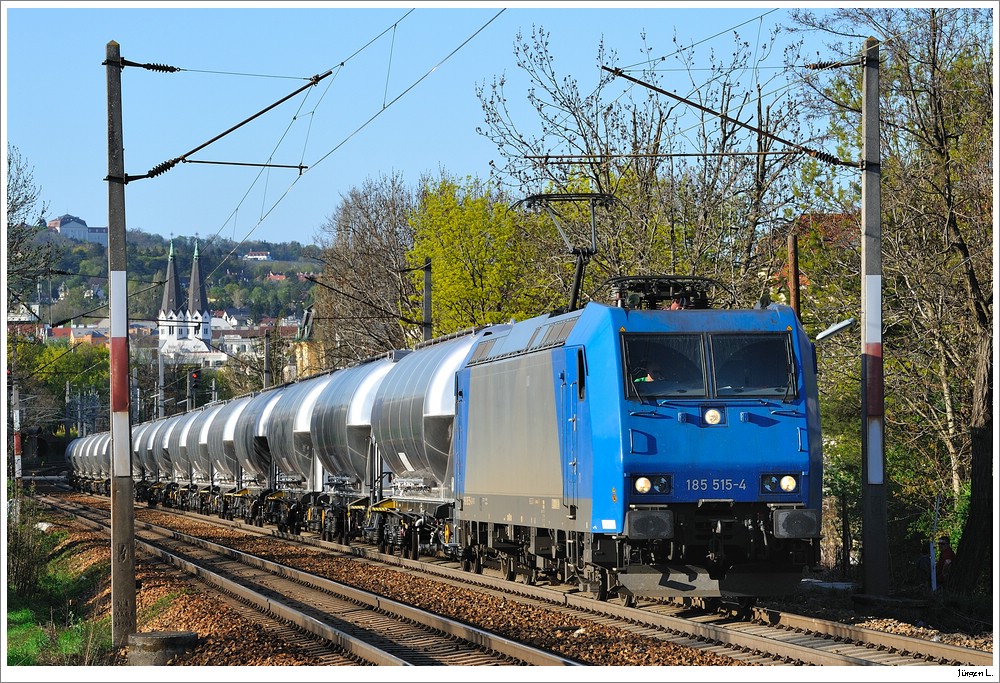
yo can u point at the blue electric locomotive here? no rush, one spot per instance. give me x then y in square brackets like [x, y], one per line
[643, 452]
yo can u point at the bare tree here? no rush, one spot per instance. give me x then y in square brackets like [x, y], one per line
[28, 259]
[699, 193]
[244, 374]
[936, 119]
[366, 300]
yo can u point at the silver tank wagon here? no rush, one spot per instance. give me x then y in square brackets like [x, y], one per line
[414, 411]
[289, 436]
[220, 439]
[251, 435]
[342, 422]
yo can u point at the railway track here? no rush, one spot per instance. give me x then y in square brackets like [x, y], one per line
[770, 638]
[768, 635]
[368, 628]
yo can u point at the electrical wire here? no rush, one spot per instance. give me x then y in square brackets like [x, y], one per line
[325, 156]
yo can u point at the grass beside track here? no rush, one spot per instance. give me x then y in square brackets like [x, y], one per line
[54, 579]
[59, 601]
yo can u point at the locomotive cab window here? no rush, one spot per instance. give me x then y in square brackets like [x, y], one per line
[664, 366]
[753, 365]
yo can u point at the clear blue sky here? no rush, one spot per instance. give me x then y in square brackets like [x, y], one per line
[55, 97]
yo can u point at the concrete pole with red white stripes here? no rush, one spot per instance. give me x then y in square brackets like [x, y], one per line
[875, 527]
[123, 594]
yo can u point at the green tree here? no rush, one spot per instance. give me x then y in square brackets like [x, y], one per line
[43, 370]
[481, 258]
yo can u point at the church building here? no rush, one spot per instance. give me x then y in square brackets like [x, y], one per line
[185, 322]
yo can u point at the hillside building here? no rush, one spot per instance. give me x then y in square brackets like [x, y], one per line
[77, 229]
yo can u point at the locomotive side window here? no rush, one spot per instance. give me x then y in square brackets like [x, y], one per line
[664, 366]
[753, 365]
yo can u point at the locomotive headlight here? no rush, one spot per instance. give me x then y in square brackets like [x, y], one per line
[778, 483]
[713, 416]
[662, 485]
[658, 484]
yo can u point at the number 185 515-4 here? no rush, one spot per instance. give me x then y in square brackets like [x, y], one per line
[716, 484]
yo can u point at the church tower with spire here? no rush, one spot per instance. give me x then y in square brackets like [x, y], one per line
[198, 314]
[185, 327]
[170, 321]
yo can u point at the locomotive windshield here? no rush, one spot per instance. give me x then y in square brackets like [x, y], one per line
[739, 365]
[664, 365]
[753, 365]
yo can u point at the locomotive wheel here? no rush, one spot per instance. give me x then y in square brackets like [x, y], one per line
[599, 591]
[531, 576]
[745, 612]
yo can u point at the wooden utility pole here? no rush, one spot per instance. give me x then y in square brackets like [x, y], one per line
[123, 603]
[875, 534]
[793, 274]
[428, 325]
[267, 359]
[15, 404]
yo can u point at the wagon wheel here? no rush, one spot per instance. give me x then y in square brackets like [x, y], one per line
[601, 594]
[470, 561]
[712, 604]
[624, 598]
[508, 566]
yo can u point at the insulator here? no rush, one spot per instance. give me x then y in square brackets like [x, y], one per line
[822, 65]
[824, 156]
[160, 67]
[162, 168]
